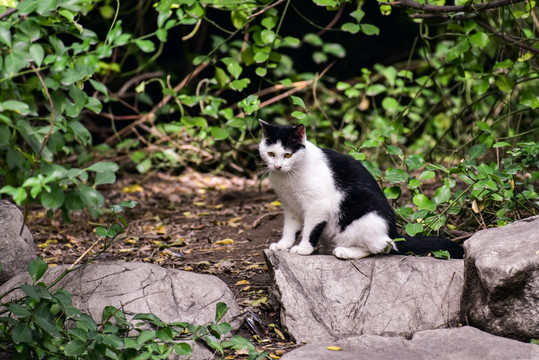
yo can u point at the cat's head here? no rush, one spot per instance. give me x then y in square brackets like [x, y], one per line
[282, 147]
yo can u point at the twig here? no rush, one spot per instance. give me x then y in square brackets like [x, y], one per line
[135, 80]
[257, 222]
[507, 38]
[156, 108]
[451, 8]
[264, 9]
[7, 13]
[84, 254]
[439, 305]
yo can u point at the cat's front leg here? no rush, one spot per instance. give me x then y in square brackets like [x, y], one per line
[292, 226]
[310, 239]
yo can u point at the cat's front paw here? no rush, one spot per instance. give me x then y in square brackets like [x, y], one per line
[302, 249]
[277, 246]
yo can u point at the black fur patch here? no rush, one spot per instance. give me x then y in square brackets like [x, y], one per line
[362, 194]
[290, 136]
[316, 233]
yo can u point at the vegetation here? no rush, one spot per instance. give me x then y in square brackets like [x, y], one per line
[460, 108]
[43, 323]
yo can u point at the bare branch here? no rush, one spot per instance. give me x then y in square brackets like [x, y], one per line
[451, 8]
[508, 38]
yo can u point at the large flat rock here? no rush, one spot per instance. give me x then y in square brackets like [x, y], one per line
[172, 295]
[324, 298]
[501, 291]
[464, 343]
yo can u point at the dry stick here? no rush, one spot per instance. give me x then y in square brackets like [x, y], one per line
[151, 114]
[451, 8]
[264, 10]
[507, 38]
[439, 305]
[84, 254]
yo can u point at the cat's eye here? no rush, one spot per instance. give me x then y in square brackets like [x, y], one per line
[287, 155]
[271, 154]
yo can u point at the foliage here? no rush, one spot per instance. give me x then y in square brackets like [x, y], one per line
[43, 323]
[460, 109]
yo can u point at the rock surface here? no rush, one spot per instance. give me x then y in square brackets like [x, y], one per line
[501, 291]
[324, 298]
[172, 295]
[16, 250]
[443, 344]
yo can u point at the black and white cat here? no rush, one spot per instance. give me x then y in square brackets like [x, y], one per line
[332, 199]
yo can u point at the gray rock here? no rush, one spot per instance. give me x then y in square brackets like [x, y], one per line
[501, 291]
[16, 250]
[172, 295]
[324, 298]
[444, 344]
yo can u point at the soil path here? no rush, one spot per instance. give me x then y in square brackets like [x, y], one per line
[195, 222]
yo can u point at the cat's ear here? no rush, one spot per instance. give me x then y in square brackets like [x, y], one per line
[300, 133]
[264, 126]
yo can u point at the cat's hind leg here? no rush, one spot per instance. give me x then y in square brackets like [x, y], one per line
[350, 253]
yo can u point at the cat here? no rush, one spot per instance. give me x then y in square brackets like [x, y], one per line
[333, 201]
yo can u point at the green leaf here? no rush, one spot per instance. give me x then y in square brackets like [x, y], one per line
[45, 321]
[460, 48]
[36, 53]
[369, 29]
[328, 3]
[504, 83]
[54, 198]
[390, 104]
[350, 27]
[220, 310]
[183, 349]
[260, 71]
[233, 67]
[218, 133]
[5, 33]
[476, 151]
[19, 311]
[334, 49]
[214, 343]
[21, 333]
[426, 175]
[392, 192]
[37, 268]
[396, 176]
[14, 105]
[298, 101]
[413, 229]
[394, 150]
[145, 45]
[479, 40]
[239, 18]
[423, 202]
[75, 348]
[92, 199]
[103, 166]
[358, 14]
[414, 161]
[146, 336]
[375, 89]
[441, 254]
[442, 194]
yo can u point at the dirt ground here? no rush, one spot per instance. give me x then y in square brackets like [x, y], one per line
[196, 222]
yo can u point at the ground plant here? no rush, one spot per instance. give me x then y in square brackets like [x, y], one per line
[42, 323]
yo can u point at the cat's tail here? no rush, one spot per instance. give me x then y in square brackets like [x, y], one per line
[422, 245]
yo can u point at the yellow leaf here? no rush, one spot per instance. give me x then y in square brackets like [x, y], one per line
[334, 348]
[161, 230]
[278, 332]
[225, 242]
[132, 189]
[242, 282]
[130, 241]
[199, 203]
[218, 206]
[273, 356]
[275, 203]
[477, 207]
[188, 268]
[234, 220]
[186, 213]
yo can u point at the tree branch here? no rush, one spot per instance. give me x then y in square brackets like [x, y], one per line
[508, 38]
[451, 8]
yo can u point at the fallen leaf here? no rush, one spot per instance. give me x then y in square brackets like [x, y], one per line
[161, 230]
[132, 189]
[334, 348]
[188, 268]
[227, 241]
[234, 220]
[242, 282]
[199, 203]
[275, 203]
[273, 356]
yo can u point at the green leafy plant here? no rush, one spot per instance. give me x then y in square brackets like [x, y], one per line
[43, 323]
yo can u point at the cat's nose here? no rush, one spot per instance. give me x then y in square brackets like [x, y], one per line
[277, 167]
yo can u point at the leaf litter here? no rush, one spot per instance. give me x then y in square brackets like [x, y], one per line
[209, 224]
